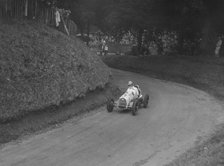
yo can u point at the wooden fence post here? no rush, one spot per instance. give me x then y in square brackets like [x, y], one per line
[66, 29]
[24, 8]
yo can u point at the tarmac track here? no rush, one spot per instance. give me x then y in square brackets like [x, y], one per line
[176, 117]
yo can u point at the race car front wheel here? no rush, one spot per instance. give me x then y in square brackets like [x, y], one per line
[110, 105]
[145, 101]
[135, 107]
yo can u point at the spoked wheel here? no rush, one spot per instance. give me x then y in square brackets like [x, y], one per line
[110, 105]
[135, 107]
[145, 101]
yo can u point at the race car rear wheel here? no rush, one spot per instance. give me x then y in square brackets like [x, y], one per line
[110, 105]
[135, 107]
[145, 101]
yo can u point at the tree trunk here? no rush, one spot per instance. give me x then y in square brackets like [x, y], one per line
[88, 29]
[65, 26]
[180, 42]
[81, 31]
[139, 40]
[209, 38]
[26, 8]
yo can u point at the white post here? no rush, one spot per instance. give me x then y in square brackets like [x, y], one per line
[218, 47]
[26, 8]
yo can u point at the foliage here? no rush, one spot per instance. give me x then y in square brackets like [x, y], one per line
[192, 20]
[117, 17]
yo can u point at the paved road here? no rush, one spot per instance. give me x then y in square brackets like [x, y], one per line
[176, 116]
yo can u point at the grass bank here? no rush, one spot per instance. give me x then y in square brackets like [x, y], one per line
[46, 77]
[41, 67]
[200, 72]
[207, 152]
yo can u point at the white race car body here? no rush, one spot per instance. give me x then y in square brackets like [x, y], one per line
[132, 100]
[126, 100]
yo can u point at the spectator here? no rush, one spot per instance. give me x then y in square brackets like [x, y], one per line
[218, 47]
[106, 49]
[103, 46]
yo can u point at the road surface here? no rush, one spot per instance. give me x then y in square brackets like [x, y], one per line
[177, 115]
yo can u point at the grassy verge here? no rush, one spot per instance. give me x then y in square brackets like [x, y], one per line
[54, 115]
[209, 152]
[40, 67]
[200, 72]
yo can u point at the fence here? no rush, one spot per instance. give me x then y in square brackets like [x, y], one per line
[37, 10]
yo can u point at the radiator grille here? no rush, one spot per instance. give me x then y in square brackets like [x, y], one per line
[122, 103]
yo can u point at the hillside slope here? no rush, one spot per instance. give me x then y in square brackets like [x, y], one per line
[40, 67]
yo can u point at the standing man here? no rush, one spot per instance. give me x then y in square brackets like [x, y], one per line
[103, 46]
[106, 49]
[218, 46]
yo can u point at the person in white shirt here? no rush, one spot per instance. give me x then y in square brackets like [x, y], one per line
[135, 89]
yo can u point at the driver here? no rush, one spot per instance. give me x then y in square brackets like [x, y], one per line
[131, 86]
[139, 91]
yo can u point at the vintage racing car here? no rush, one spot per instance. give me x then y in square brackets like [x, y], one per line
[132, 100]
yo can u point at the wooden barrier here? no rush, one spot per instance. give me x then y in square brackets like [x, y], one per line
[36, 10]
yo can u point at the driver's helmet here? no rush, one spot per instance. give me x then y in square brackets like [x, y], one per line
[130, 83]
[137, 86]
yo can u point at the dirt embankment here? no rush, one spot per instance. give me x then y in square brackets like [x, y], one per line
[41, 67]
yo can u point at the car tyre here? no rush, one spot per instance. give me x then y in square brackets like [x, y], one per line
[145, 101]
[110, 105]
[135, 107]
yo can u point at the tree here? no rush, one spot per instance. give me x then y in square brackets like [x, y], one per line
[190, 19]
[213, 25]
